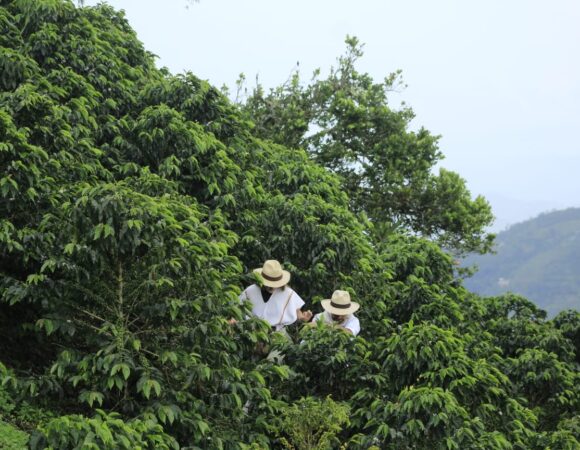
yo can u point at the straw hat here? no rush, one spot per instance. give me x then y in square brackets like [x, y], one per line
[273, 274]
[340, 304]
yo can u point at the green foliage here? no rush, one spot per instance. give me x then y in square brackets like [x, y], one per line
[313, 424]
[6, 402]
[537, 259]
[568, 322]
[20, 414]
[422, 282]
[132, 204]
[546, 381]
[12, 438]
[346, 124]
[104, 431]
[517, 324]
[412, 421]
[566, 437]
[326, 362]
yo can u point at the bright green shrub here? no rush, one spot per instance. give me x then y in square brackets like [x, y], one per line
[312, 424]
[11, 438]
[103, 431]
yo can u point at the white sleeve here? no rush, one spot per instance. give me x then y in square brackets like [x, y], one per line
[243, 296]
[318, 317]
[353, 325]
[297, 300]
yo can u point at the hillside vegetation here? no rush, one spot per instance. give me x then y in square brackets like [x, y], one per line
[133, 205]
[538, 258]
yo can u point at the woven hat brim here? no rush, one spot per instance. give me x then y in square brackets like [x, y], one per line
[275, 284]
[354, 306]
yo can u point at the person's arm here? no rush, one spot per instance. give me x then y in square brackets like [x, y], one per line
[298, 303]
[303, 316]
[352, 326]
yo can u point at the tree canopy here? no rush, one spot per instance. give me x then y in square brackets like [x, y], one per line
[133, 205]
[347, 125]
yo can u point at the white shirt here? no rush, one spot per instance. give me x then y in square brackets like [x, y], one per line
[351, 322]
[279, 310]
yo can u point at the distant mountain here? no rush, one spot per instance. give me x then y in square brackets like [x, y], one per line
[539, 258]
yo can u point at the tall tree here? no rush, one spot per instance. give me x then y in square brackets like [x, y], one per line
[346, 124]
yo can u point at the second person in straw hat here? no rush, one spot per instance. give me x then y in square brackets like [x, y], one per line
[339, 310]
[275, 301]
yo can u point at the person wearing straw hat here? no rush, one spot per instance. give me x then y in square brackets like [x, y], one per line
[275, 301]
[339, 310]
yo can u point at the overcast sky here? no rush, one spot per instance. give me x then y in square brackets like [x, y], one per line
[498, 80]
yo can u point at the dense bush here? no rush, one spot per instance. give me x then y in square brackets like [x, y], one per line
[104, 431]
[132, 204]
[11, 438]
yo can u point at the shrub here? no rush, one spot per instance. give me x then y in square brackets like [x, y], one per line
[101, 432]
[312, 424]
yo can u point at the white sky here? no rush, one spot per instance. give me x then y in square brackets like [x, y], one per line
[498, 79]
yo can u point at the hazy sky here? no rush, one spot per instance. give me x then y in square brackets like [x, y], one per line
[498, 80]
